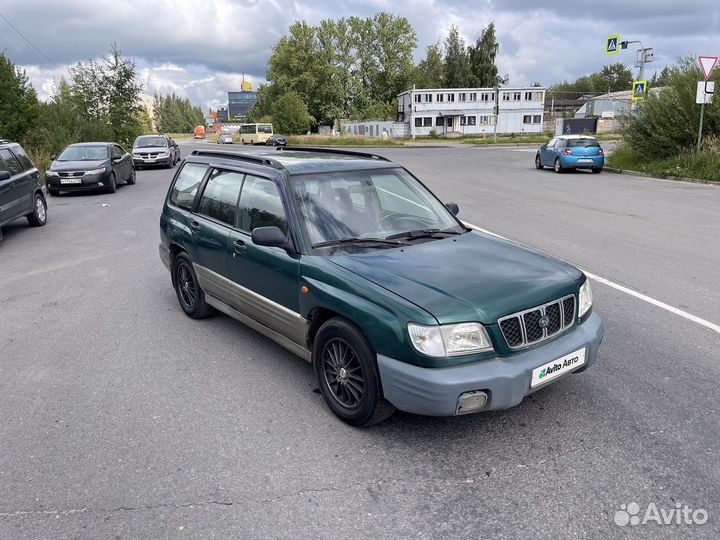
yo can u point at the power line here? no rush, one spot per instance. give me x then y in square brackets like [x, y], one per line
[19, 33]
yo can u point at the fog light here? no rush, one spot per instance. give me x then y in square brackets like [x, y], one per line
[100, 184]
[470, 402]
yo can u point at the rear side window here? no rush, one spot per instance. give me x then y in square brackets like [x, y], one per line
[582, 143]
[220, 196]
[261, 205]
[23, 158]
[11, 161]
[3, 167]
[186, 185]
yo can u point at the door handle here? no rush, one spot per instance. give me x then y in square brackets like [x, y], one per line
[195, 226]
[239, 246]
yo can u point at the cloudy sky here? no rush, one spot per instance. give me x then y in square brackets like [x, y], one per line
[202, 48]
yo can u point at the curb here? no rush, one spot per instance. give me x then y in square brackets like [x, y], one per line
[647, 175]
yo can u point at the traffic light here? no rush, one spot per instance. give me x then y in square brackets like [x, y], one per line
[623, 44]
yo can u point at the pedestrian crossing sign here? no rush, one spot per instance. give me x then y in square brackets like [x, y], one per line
[612, 45]
[639, 90]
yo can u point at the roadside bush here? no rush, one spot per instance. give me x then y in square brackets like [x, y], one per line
[666, 123]
[290, 115]
[686, 164]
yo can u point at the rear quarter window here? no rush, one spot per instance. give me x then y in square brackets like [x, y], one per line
[23, 158]
[11, 161]
[185, 187]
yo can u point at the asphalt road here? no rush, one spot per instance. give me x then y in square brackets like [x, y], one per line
[122, 418]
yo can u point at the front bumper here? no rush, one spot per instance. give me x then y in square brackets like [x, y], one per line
[582, 162]
[87, 183]
[141, 162]
[506, 381]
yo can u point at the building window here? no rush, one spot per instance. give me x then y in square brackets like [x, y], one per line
[473, 96]
[517, 96]
[528, 96]
[487, 96]
[506, 96]
[428, 98]
[484, 120]
[440, 121]
[467, 120]
[527, 119]
[423, 121]
[439, 98]
[462, 96]
[536, 118]
[418, 98]
[451, 97]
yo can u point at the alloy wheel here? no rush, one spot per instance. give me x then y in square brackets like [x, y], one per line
[343, 373]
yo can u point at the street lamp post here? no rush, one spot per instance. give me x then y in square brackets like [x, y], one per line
[498, 81]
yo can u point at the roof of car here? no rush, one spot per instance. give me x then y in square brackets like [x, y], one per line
[576, 137]
[297, 160]
[90, 144]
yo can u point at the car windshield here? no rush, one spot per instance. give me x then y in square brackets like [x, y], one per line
[83, 153]
[582, 143]
[146, 142]
[374, 204]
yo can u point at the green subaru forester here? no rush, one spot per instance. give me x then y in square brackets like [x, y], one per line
[351, 263]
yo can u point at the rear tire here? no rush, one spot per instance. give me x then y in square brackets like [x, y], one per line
[347, 373]
[558, 167]
[538, 162]
[38, 217]
[187, 288]
[131, 180]
[597, 170]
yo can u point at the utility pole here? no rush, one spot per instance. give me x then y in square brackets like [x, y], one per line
[498, 82]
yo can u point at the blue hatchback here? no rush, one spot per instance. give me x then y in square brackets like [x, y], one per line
[571, 152]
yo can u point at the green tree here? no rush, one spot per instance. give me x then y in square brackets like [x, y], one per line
[19, 108]
[430, 72]
[392, 46]
[481, 59]
[457, 64]
[290, 115]
[613, 78]
[666, 122]
[173, 114]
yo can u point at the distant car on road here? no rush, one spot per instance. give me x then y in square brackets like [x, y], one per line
[276, 140]
[90, 167]
[155, 150]
[225, 138]
[571, 152]
[21, 193]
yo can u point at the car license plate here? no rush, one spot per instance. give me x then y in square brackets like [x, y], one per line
[149, 160]
[585, 160]
[554, 369]
[70, 181]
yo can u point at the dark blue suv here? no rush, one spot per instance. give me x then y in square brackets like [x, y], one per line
[21, 190]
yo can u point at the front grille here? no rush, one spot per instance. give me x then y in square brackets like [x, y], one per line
[148, 155]
[78, 174]
[538, 324]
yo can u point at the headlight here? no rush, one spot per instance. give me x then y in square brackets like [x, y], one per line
[95, 171]
[449, 339]
[51, 173]
[163, 154]
[586, 298]
[135, 154]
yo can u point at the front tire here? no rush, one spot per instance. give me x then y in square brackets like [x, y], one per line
[131, 180]
[190, 295]
[538, 162]
[112, 185]
[38, 217]
[347, 373]
[558, 166]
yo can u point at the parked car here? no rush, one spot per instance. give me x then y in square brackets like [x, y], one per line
[95, 166]
[21, 191]
[276, 140]
[150, 150]
[225, 138]
[350, 262]
[571, 152]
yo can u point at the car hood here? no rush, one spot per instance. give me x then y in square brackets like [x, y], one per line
[78, 165]
[146, 149]
[469, 277]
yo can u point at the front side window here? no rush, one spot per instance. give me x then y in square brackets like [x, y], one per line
[186, 185]
[118, 152]
[366, 204]
[11, 161]
[220, 196]
[261, 205]
[265, 128]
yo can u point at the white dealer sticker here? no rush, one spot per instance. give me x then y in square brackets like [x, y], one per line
[551, 370]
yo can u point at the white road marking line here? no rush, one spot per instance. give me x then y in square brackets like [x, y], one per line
[627, 290]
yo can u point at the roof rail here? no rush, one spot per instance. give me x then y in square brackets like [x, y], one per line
[332, 151]
[240, 157]
[5, 141]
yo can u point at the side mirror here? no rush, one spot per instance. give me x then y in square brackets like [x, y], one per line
[453, 207]
[4, 175]
[53, 157]
[269, 236]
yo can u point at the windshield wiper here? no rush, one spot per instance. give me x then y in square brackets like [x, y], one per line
[423, 233]
[353, 240]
